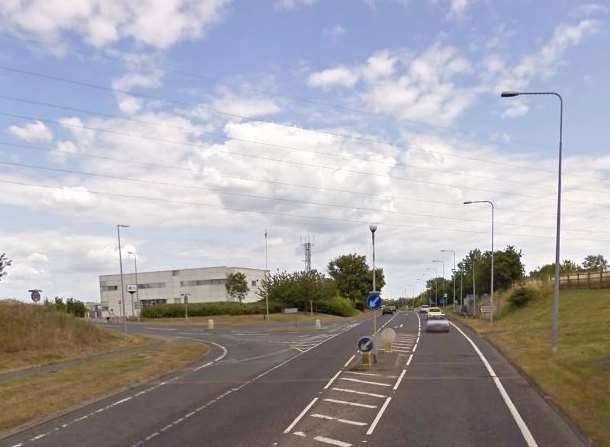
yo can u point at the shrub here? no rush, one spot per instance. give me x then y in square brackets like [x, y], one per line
[337, 306]
[523, 295]
[208, 309]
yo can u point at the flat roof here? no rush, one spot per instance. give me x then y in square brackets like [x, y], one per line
[185, 269]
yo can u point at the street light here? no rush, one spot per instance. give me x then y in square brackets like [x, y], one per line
[118, 232]
[135, 269]
[266, 272]
[373, 228]
[493, 207]
[555, 308]
[454, 272]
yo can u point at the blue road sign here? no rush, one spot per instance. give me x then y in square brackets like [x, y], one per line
[374, 301]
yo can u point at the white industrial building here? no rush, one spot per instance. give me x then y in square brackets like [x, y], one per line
[202, 285]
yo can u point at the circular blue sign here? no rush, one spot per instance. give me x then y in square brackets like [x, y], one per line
[365, 344]
[374, 301]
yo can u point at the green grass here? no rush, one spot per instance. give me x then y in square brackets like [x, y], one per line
[32, 335]
[577, 377]
[300, 317]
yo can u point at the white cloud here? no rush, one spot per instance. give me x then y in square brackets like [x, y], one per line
[36, 131]
[156, 23]
[62, 151]
[293, 4]
[516, 108]
[337, 76]
[458, 7]
[245, 106]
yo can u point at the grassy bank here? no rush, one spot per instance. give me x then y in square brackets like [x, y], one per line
[36, 396]
[32, 335]
[577, 377]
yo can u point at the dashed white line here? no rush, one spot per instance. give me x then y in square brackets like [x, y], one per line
[343, 421]
[345, 402]
[332, 379]
[378, 417]
[364, 381]
[332, 441]
[402, 374]
[349, 361]
[205, 365]
[346, 390]
[300, 433]
[300, 416]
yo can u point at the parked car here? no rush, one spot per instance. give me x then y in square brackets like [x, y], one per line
[388, 310]
[437, 323]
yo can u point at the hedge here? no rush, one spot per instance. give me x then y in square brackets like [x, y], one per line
[522, 296]
[207, 309]
[337, 306]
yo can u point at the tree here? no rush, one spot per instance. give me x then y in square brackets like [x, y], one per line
[568, 267]
[595, 263]
[297, 289]
[4, 263]
[354, 278]
[237, 285]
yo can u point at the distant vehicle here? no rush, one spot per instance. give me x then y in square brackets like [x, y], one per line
[423, 309]
[388, 310]
[437, 323]
[434, 311]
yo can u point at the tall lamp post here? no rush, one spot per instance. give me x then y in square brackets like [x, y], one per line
[135, 269]
[118, 232]
[266, 272]
[493, 207]
[373, 228]
[454, 272]
[555, 308]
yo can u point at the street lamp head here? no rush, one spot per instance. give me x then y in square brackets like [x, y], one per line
[122, 226]
[373, 228]
[509, 94]
[468, 202]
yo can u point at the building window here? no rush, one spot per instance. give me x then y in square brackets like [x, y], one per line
[175, 272]
[152, 285]
[108, 288]
[201, 282]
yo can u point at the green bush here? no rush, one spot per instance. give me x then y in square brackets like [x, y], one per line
[522, 296]
[207, 309]
[337, 306]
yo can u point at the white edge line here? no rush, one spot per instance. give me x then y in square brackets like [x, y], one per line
[527, 435]
[203, 366]
[349, 361]
[409, 360]
[402, 374]
[330, 382]
[378, 417]
[300, 416]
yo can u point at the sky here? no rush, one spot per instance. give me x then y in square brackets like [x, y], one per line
[203, 123]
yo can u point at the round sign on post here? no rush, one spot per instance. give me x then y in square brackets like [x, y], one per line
[35, 295]
[365, 344]
[374, 301]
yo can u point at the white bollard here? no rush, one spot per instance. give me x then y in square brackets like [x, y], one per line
[210, 324]
[318, 324]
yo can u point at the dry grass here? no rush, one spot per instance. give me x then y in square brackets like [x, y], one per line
[32, 335]
[578, 377]
[32, 397]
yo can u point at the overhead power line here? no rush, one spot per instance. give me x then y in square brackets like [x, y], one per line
[318, 219]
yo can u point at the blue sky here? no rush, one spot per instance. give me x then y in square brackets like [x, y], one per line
[316, 117]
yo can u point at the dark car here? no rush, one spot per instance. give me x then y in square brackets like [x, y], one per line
[388, 310]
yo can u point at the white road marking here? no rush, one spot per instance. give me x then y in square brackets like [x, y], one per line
[330, 382]
[300, 433]
[364, 381]
[118, 402]
[345, 402]
[300, 416]
[36, 438]
[346, 390]
[401, 350]
[370, 374]
[343, 421]
[205, 365]
[527, 435]
[17, 445]
[402, 374]
[415, 347]
[378, 417]
[349, 361]
[410, 358]
[332, 441]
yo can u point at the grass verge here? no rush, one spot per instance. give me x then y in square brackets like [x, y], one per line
[577, 377]
[300, 317]
[32, 397]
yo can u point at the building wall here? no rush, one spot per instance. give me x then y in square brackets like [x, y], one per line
[203, 285]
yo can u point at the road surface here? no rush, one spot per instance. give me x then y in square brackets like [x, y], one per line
[262, 387]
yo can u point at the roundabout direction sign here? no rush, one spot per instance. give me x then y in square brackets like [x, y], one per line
[374, 301]
[365, 344]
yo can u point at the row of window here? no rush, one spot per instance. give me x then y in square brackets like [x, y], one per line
[161, 285]
[201, 282]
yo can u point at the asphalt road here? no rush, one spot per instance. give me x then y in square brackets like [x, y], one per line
[261, 387]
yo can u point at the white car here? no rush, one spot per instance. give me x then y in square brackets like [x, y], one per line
[437, 323]
[423, 309]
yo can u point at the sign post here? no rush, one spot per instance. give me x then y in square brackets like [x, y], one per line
[132, 288]
[374, 302]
